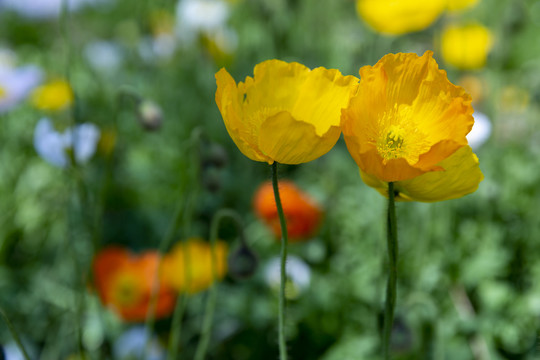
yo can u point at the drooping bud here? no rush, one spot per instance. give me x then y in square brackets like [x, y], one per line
[242, 263]
[150, 115]
[215, 155]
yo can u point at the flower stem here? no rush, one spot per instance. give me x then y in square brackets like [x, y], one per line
[212, 296]
[14, 334]
[284, 241]
[176, 327]
[184, 212]
[392, 243]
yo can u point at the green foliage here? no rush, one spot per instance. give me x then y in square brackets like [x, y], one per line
[468, 268]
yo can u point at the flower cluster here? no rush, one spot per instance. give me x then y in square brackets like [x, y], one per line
[404, 123]
[125, 281]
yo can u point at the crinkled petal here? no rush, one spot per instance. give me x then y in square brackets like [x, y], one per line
[461, 176]
[322, 96]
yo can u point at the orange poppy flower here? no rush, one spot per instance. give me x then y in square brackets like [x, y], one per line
[408, 125]
[303, 215]
[124, 283]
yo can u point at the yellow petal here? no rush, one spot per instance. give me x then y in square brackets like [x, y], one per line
[460, 177]
[290, 141]
[398, 17]
[275, 85]
[243, 133]
[322, 96]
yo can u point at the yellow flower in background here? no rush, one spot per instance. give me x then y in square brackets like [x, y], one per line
[456, 5]
[474, 86]
[466, 46]
[397, 17]
[408, 125]
[195, 256]
[55, 95]
[286, 112]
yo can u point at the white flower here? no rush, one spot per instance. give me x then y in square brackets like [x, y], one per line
[16, 84]
[202, 15]
[132, 344]
[42, 9]
[205, 16]
[52, 146]
[480, 131]
[298, 274]
[160, 47]
[103, 56]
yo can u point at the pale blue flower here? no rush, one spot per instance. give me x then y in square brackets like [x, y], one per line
[52, 145]
[16, 83]
[132, 343]
[42, 9]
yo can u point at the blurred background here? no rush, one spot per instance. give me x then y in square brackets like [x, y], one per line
[109, 135]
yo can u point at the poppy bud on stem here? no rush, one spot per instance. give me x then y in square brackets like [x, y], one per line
[392, 275]
[284, 241]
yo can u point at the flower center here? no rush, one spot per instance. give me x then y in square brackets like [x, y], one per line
[126, 290]
[3, 93]
[391, 145]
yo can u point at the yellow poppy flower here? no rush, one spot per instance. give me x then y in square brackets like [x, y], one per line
[466, 47]
[408, 121]
[286, 112]
[396, 17]
[56, 95]
[198, 276]
[455, 5]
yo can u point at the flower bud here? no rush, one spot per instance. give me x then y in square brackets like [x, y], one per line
[242, 263]
[211, 179]
[214, 155]
[150, 115]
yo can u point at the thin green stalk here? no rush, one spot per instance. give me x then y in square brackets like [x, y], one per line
[186, 214]
[165, 242]
[284, 241]
[176, 327]
[392, 243]
[14, 334]
[80, 301]
[181, 301]
[212, 296]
